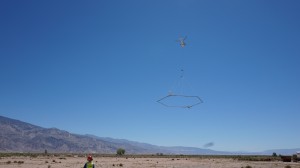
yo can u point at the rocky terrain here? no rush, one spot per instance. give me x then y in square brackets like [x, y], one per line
[139, 162]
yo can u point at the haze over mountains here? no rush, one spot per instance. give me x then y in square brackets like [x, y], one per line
[18, 136]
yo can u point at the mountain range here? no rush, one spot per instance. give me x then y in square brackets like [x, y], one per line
[18, 136]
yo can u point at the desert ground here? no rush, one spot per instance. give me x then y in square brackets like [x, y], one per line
[137, 162]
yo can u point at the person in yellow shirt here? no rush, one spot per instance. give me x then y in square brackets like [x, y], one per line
[89, 163]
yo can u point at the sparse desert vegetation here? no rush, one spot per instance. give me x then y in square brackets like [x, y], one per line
[145, 161]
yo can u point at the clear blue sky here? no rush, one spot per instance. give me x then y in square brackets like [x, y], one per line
[98, 67]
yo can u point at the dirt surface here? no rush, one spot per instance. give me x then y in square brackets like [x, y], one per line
[116, 162]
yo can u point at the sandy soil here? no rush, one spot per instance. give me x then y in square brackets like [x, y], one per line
[114, 162]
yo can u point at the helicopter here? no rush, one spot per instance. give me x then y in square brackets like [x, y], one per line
[181, 41]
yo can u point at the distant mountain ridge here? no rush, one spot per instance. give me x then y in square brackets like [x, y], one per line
[18, 136]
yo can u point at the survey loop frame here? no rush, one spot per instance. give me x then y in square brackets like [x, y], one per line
[197, 98]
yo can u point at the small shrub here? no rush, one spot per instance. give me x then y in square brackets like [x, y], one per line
[49, 166]
[294, 158]
[248, 167]
[46, 161]
[287, 166]
[15, 161]
[114, 165]
[120, 151]
[121, 165]
[20, 162]
[8, 162]
[53, 161]
[286, 158]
